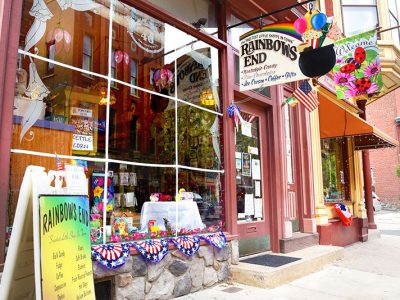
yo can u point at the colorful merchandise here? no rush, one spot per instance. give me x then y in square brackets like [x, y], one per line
[357, 72]
[98, 192]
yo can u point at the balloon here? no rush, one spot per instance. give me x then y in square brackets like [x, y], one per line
[300, 25]
[309, 16]
[126, 58]
[67, 37]
[318, 21]
[58, 34]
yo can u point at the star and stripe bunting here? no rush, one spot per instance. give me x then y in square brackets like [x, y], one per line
[152, 250]
[111, 256]
[188, 245]
[217, 239]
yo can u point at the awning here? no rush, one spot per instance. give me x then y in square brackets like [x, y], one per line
[337, 120]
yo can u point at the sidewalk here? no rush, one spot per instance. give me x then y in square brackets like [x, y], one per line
[368, 271]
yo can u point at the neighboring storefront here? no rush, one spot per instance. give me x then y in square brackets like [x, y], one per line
[138, 97]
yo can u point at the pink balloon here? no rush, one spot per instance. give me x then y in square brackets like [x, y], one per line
[126, 58]
[300, 25]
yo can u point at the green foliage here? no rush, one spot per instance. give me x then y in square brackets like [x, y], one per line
[398, 171]
[371, 55]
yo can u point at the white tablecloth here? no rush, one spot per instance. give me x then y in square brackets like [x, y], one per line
[188, 215]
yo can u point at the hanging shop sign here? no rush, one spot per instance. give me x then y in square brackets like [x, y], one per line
[65, 248]
[269, 56]
[357, 72]
[194, 79]
[146, 31]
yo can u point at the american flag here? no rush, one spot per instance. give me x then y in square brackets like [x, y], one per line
[306, 96]
[249, 118]
[59, 164]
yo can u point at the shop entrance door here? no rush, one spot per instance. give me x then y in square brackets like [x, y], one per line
[251, 181]
[291, 204]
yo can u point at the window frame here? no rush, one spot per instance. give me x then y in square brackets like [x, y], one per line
[85, 34]
[133, 91]
[342, 6]
[397, 20]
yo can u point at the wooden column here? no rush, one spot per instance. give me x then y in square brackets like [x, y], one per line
[321, 213]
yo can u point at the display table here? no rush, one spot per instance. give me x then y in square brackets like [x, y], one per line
[188, 215]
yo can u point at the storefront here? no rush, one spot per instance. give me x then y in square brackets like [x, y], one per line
[343, 136]
[138, 96]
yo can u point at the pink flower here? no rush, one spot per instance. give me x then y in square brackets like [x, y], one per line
[163, 233]
[136, 236]
[343, 78]
[372, 89]
[153, 235]
[372, 69]
[182, 231]
[100, 181]
[143, 234]
[127, 238]
[116, 239]
[353, 91]
[339, 60]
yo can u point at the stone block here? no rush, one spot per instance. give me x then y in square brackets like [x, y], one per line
[210, 276]
[132, 291]
[234, 252]
[163, 287]
[139, 266]
[180, 255]
[183, 286]
[196, 273]
[99, 271]
[207, 253]
[223, 271]
[222, 254]
[147, 287]
[155, 269]
[178, 267]
[123, 279]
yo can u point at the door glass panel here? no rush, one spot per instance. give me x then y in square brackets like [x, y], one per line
[248, 171]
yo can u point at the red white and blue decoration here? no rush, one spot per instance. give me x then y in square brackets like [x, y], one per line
[152, 250]
[344, 214]
[217, 239]
[234, 112]
[188, 245]
[111, 256]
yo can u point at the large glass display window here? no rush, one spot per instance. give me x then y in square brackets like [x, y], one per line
[131, 99]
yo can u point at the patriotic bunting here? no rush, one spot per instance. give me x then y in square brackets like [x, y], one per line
[344, 213]
[152, 250]
[216, 239]
[188, 245]
[111, 256]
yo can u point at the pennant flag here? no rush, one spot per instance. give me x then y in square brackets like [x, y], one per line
[306, 96]
[188, 245]
[216, 239]
[111, 256]
[59, 164]
[357, 72]
[292, 101]
[152, 250]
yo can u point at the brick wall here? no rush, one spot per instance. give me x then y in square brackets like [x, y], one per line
[382, 114]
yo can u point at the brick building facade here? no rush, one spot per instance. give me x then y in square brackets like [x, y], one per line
[384, 162]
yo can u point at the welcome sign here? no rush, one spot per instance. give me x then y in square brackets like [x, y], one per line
[269, 56]
[65, 247]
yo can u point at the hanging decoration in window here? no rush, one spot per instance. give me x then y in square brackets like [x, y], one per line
[145, 31]
[37, 91]
[61, 38]
[357, 72]
[42, 14]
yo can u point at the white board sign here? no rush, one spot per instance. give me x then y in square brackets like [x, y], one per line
[268, 56]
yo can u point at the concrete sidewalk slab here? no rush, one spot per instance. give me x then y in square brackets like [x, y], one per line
[312, 260]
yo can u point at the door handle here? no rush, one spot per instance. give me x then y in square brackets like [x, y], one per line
[252, 229]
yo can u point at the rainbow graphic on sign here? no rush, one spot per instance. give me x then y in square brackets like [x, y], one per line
[65, 248]
[284, 28]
